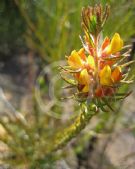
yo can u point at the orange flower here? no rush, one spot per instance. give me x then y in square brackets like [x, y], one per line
[116, 75]
[109, 77]
[110, 49]
[105, 76]
[84, 79]
[97, 72]
[104, 91]
[96, 69]
[105, 43]
[115, 45]
[75, 61]
[78, 60]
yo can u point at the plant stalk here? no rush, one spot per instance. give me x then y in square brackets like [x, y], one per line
[62, 138]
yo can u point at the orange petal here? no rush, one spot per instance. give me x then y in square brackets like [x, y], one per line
[74, 60]
[105, 43]
[105, 76]
[99, 92]
[81, 53]
[116, 75]
[76, 75]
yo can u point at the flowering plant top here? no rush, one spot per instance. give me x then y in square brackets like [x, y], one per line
[97, 70]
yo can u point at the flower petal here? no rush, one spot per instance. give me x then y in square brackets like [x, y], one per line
[85, 89]
[84, 77]
[115, 45]
[74, 60]
[91, 61]
[99, 92]
[105, 43]
[81, 53]
[116, 75]
[105, 76]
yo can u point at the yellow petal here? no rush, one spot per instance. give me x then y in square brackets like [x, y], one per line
[105, 76]
[91, 61]
[74, 60]
[85, 89]
[115, 45]
[84, 77]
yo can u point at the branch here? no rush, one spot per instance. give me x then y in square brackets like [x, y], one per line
[62, 138]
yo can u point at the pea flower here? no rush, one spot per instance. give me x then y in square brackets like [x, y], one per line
[97, 70]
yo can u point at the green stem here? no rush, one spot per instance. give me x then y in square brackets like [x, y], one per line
[62, 138]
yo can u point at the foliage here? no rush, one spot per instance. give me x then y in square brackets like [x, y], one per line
[121, 18]
[11, 29]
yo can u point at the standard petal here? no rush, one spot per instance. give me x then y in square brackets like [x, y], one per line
[84, 77]
[115, 45]
[74, 60]
[105, 76]
[116, 75]
[81, 53]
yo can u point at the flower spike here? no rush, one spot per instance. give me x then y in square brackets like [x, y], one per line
[98, 70]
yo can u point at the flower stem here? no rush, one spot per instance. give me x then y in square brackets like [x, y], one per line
[62, 138]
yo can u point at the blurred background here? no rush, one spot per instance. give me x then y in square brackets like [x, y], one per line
[37, 33]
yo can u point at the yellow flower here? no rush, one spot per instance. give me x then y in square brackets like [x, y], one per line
[84, 77]
[74, 60]
[105, 76]
[109, 77]
[115, 45]
[79, 60]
